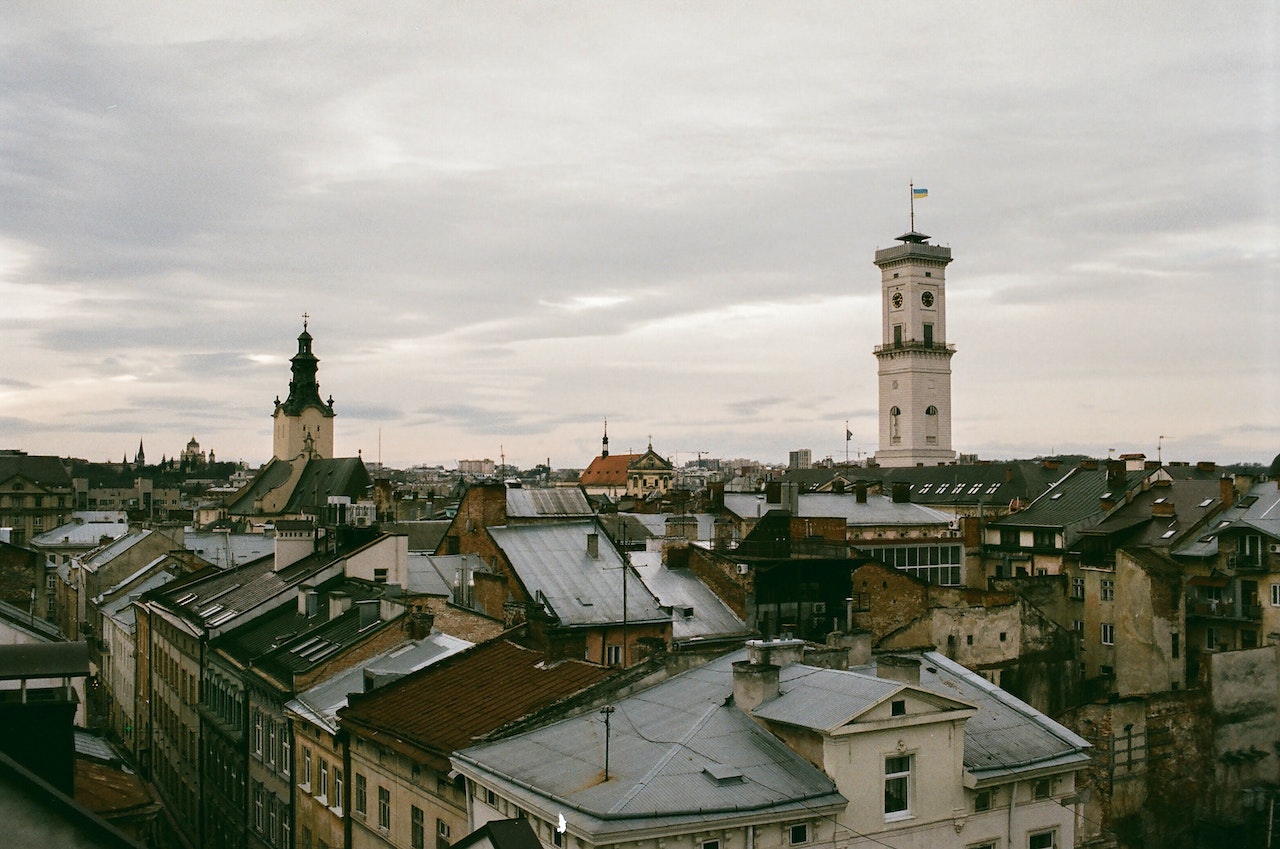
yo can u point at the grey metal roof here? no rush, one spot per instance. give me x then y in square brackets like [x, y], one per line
[226, 550]
[432, 575]
[107, 552]
[878, 509]
[696, 612]
[1006, 734]
[121, 610]
[552, 562]
[677, 753]
[87, 529]
[824, 699]
[1257, 510]
[321, 703]
[551, 503]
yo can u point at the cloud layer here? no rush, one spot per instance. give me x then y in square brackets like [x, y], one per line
[510, 220]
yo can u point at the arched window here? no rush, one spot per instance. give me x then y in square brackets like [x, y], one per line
[931, 425]
[894, 436]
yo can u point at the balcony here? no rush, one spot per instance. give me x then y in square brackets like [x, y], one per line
[915, 345]
[1245, 562]
[1224, 609]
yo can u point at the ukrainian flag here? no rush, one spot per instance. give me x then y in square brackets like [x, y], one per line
[919, 193]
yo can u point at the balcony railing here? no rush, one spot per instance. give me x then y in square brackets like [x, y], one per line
[916, 345]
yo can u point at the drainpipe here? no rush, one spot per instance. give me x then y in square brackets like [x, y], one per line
[751, 837]
[1013, 796]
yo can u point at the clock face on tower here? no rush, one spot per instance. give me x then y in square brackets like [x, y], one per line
[926, 298]
[897, 300]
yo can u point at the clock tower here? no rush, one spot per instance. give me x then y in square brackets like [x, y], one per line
[914, 357]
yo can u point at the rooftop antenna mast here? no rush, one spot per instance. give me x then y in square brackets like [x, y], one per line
[606, 712]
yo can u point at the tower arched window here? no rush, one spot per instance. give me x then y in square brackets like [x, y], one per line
[931, 425]
[894, 435]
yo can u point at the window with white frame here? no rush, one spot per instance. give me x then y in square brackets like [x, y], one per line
[1043, 839]
[323, 790]
[384, 808]
[1077, 587]
[306, 769]
[1108, 634]
[798, 833]
[1275, 595]
[897, 787]
[361, 801]
[1108, 592]
[613, 655]
[257, 733]
[337, 800]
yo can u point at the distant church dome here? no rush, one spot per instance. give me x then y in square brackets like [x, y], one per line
[1273, 471]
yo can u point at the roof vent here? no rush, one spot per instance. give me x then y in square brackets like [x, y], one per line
[723, 774]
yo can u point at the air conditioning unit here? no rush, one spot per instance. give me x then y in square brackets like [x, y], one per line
[1274, 548]
[743, 568]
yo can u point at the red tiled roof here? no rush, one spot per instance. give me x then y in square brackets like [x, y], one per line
[446, 705]
[608, 471]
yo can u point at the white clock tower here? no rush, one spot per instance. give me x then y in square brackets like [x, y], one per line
[915, 359]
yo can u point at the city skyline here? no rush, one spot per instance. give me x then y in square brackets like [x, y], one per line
[510, 222]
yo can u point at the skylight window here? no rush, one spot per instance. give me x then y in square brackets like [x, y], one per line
[1106, 494]
[223, 618]
[1206, 502]
[189, 597]
[1167, 534]
[209, 611]
[1055, 496]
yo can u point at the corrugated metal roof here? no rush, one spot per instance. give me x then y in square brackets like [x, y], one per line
[552, 562]
[824, 699]
[677, 752]
[88, 532]
[107, 552]
[877, 510]
[1074, 499]
[44, 660]
[696, 612]
[559, 502]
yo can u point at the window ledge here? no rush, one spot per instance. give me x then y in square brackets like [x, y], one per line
[305, 788]
[336, 811]
[899, 816]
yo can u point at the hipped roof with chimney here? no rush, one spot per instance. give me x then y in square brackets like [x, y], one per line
[577, 581]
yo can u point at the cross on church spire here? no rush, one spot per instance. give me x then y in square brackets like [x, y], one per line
[305, 317]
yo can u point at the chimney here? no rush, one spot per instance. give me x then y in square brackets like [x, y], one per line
[860, 492]
[1205, 465]
[295, 539]
[1050, 464]
[777, 652]
[901, 492]
[1089, 464]
[895, 668]
[1162, 508]
[1116, 477]
[723, 534]
[1227, 490]
[339, 603]
[754, 683]
[593, 545]
[418, 624]
[368, 611]
[308, 601]
[857, 643]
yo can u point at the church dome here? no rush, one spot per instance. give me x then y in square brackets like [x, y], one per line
[1273, 471]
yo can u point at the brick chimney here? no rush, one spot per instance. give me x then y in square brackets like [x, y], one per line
[1227, 490]
[754, 683]
[892, 667]
[901, 492]
[860, 492]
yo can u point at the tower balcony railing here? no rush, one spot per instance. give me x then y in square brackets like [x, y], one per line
[916, 345]
[914, 249]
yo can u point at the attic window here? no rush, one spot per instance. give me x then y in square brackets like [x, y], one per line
[1167, 534]
[722, 773]
[1106, 494]
[1206, 502]
[898, 707]
[1058, 495]
[1160, 500]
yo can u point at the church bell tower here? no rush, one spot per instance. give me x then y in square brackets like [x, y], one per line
[914, 357]
[303, 423]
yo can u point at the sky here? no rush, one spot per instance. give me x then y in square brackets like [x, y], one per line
[510, 221]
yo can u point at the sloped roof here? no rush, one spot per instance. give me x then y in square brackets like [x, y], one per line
[87, 530]
[319, 479]
[697, 613]
[608, 471]
[1191, 500]
[877, 510]
[1257, 511]
[107, 552]
[447, 705]
[678, 752]
[321, 703]
[552, 562]
[225, 550]
[1074, 498]
[558, 502]
[44, 469]
[823, 699]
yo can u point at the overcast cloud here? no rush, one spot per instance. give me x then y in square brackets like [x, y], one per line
[508, 221]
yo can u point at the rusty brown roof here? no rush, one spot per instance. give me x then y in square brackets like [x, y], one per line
[449, 704]
[608, 471]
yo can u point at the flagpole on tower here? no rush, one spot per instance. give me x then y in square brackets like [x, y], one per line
[911, 192]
